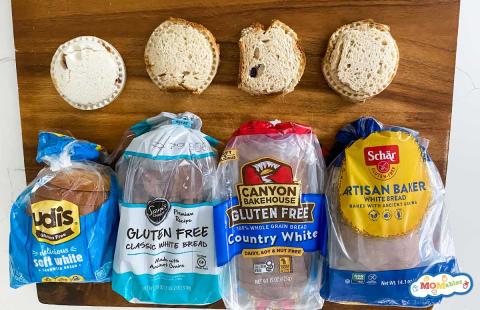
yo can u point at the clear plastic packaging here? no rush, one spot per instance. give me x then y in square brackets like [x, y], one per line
[387, 219]
[270, 224]
[64, 224]
[165, 251]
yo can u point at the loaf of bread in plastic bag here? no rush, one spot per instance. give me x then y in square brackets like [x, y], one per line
[267, 160]
[387, 218]
[64, 224]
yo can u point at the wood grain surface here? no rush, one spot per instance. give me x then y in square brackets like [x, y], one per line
[420, 96]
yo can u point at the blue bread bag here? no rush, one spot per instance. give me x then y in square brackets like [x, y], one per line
[64, 224]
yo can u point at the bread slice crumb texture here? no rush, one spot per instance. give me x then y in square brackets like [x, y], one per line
[361, 60]
[181, 55]
[271, 61]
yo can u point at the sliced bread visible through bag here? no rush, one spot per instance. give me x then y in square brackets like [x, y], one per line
[361, 60]
[181, 55]
[271, 61]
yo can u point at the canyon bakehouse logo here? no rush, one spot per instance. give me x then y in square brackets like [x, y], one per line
[268, 193]
[382, 161]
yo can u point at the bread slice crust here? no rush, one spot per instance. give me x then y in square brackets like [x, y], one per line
[243, 69]
[215, 49]
[330, 72]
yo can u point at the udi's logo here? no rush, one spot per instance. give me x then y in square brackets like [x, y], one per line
[268, 193]
[55, 222]
[382, 160]
[442, 284]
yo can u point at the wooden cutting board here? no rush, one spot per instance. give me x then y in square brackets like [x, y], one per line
[420, 96]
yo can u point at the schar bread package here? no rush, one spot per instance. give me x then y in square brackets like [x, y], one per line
[270, 227]
[64, 224]
[388, 233]
[165, 250]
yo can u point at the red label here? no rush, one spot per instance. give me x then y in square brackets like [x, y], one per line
[269, 128]
[267, 170]
[381, 154]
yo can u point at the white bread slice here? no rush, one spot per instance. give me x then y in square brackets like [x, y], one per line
[88, 72]
[271, 61]
[181, 55]
[361, 60]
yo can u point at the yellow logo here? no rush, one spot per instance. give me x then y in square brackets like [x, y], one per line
[228, 155]
[73, 278]
[273, 251]
[55, 222]
[384, 186]
[285, 264]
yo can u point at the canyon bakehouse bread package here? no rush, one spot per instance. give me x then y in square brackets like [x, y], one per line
[165, 249]
[387, 218]
[64, 224]
[270, 225]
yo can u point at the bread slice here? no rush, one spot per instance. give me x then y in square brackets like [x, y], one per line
[271, 61]
[88, 72]
[361, 60]
[181, 55]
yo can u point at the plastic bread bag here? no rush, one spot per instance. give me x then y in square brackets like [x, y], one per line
[165, 251]
[270, 227]
[388, 224]
[64, 224]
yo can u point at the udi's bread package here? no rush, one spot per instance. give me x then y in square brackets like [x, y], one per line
[64, 224]
[165, 250]
[270, 228]
[388, 224]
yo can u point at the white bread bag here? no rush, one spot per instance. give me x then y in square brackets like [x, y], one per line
[165, 252]
[388, 225]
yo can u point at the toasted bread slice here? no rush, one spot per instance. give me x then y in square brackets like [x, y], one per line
[181, 55]
[271, 61]
[361, 60]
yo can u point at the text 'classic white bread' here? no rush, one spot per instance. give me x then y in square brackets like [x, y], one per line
[271, 61]
[361, 60]
[181, 55]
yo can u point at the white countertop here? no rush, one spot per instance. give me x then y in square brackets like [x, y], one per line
[462, 179]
